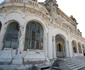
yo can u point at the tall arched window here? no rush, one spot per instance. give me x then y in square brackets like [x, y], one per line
[33, 36]
[74, 46]
[79, 47]
[0, 26]
[83, 46]
[11, 36]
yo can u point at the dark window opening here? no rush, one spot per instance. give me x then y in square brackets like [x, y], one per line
[75, 51]
[11, 36]
[79, 47]
[59, 47]
[74, 47]
[33, 36]
[0, 26]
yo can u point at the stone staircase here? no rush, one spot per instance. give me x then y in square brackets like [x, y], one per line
[74, 63]
[31, 65]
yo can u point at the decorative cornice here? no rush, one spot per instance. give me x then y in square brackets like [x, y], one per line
[37, 9]
[62, 14]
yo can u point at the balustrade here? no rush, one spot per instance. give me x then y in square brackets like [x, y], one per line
[16, 0]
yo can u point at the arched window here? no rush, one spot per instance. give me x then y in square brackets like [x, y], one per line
[59, 47]
[74, 46]
[83, 46]
[0, 26]
[79, 47]
[74, 49]
[11, 36]
[33, 36]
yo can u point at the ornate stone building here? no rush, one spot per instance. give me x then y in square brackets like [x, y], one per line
[36, 31]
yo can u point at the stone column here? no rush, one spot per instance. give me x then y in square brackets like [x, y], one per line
[2, 34]
[54, 47]
[70, 48]
[21, 37]
[45, 46]
[82, 49]
[77, 48]
[50, 47]
[67, 48]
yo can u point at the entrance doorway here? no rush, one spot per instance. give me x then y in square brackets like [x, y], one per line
[60, 46]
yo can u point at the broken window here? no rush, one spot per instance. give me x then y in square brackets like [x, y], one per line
[33, 36]
[11, 36]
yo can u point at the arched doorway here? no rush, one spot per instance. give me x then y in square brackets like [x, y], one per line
[0, 26]
[83, 49]
[79, 48]
[74, 46]
[11, 36]
[60, 46]
[34, 36]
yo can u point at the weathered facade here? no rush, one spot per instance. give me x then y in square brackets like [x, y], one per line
[34, 31]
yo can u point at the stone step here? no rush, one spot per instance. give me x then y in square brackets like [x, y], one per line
[72, 63]
[9, 67]
[17, 60]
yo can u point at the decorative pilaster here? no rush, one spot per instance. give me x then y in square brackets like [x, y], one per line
[70, 49]
[67, 48]
[50, 47]
[21, 39]
[77, 48]
[45, 46]
[81, 48]
[54, 47]
[2, 34]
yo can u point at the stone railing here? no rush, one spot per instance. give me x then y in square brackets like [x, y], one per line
[33, 3]
[36, 4]
[16, 0]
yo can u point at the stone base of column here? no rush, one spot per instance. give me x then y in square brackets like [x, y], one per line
[17, 60]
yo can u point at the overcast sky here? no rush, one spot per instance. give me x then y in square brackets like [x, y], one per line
[75, 8]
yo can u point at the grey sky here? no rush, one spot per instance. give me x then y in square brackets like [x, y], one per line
[75, 8]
